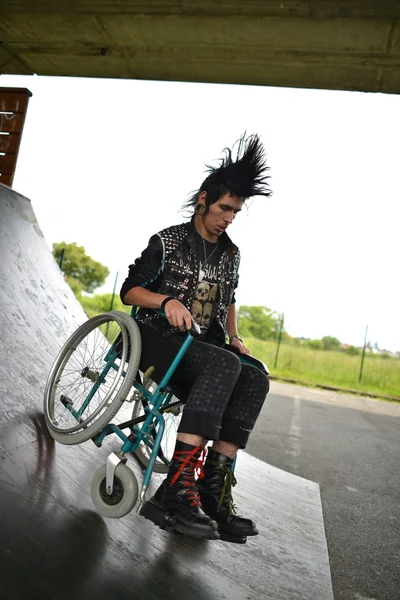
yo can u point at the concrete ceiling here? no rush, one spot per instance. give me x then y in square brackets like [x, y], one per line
[332, 44]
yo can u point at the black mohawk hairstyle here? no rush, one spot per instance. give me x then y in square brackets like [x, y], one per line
[243, 175]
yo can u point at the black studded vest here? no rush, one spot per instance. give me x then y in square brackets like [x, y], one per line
[180, 272]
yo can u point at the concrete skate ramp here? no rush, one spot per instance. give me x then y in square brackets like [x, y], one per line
[52, 543]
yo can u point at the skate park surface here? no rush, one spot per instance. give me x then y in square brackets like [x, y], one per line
[53, 543]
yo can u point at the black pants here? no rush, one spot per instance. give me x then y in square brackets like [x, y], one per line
[224, 395]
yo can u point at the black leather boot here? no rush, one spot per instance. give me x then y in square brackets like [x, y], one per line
[215, 489]
[176, 504]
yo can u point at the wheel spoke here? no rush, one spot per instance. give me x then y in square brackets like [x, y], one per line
[81, 376]
[89, 354]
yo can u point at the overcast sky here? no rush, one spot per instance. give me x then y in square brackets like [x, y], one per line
[107, 163]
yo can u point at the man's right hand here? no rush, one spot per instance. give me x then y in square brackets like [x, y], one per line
[178, 315]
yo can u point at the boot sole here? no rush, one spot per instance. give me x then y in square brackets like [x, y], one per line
[167, 522]
[236, 538]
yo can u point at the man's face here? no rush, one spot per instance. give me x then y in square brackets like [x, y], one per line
[221, 214]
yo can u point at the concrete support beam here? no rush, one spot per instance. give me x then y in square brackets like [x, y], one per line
[349, 45]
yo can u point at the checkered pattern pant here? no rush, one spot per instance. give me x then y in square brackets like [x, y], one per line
[224, 395]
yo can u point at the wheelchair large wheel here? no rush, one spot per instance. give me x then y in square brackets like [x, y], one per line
[92, 377]
[124, 495]
[172, 419]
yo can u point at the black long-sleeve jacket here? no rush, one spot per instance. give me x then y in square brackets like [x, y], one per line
[169, 265]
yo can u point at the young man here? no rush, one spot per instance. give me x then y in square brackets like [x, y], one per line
[190, 271]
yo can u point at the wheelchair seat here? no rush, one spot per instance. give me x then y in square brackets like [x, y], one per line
[179, 393]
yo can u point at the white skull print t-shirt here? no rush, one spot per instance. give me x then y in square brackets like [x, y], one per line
[206, 294]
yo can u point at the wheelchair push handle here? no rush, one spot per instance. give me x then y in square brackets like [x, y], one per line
[196, 327]
[195, 330]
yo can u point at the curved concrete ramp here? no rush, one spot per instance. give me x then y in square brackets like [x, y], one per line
[53, 545]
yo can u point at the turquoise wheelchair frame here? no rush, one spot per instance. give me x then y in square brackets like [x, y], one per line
[114, 489]
[155, 404]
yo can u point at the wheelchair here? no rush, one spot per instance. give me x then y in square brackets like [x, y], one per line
[97, 372]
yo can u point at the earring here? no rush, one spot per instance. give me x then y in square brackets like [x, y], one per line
[200, 209]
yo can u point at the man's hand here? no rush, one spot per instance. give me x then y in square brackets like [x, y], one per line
[178, 315]
[240, 346]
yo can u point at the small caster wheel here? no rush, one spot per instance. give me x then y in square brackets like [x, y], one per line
[124, 495]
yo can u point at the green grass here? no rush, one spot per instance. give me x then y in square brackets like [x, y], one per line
[110, 330]
[380, 376]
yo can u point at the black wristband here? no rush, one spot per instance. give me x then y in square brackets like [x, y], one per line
[232, 336]
[164, 302]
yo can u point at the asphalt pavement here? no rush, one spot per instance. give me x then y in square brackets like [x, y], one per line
[351, 447]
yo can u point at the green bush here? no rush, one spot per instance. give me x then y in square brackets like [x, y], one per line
[353, 351]
[315, 344]
[330, 343]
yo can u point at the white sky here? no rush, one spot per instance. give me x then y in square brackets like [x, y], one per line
[107, 163]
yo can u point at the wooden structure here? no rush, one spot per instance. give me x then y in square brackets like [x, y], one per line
[13, 107]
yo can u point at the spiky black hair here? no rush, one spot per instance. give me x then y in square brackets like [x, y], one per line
[243, 176]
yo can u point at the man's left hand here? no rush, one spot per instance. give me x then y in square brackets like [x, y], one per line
[240, 346]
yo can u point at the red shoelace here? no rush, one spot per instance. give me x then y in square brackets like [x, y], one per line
[194, 459]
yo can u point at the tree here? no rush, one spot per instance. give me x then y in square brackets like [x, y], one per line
[259, 322]
[80, 270]
[330, 343]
